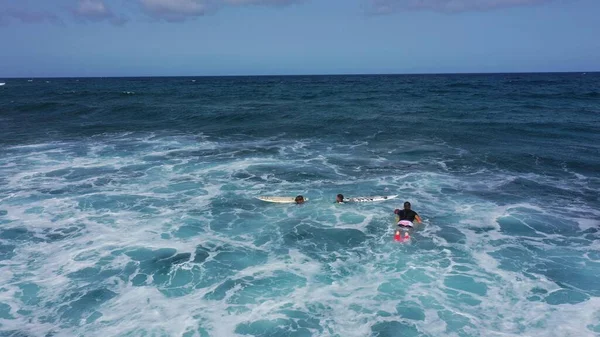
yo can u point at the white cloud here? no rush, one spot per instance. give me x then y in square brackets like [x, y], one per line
[259, 2]
[93, 8]
[96, 10]
[174, 10]
[450, 6]
[25, 16]
[178, 10]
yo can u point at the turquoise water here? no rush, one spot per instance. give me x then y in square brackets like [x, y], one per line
[127, 206]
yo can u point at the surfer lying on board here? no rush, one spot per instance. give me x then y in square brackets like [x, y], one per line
[406, 216]
[299, 199]
[339, 199]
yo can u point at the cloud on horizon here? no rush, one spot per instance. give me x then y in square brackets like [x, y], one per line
[173, 10]
[27, 16]
[182, 10]
[446, 6]
[96, 10]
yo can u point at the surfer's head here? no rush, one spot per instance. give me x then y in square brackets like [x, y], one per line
[339, 198]
[407, 205]
[299, 199]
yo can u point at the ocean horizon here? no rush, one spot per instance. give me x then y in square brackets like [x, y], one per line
[317, 75]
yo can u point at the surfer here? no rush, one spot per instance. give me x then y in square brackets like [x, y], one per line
[339, 199]
[407, 216]
[299, 200]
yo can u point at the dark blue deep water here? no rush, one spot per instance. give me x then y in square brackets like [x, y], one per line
[127, 206]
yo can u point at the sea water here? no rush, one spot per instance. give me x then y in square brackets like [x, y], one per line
[127, 206]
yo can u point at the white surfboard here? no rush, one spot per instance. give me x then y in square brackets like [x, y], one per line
[371, 199]
[280, 200]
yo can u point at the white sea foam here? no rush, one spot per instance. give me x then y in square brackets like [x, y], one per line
[448, 281]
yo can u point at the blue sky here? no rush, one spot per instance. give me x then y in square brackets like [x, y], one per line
[245, 37]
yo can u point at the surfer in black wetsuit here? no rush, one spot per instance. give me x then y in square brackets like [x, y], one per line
[407, 216]
[299, 200]
[339, 199]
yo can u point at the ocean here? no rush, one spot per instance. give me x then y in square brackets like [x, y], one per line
[128, 206]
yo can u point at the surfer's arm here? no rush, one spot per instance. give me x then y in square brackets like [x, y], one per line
[418, 218]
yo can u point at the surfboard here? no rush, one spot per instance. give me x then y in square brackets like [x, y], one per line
[371, 199]
[280, 200]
